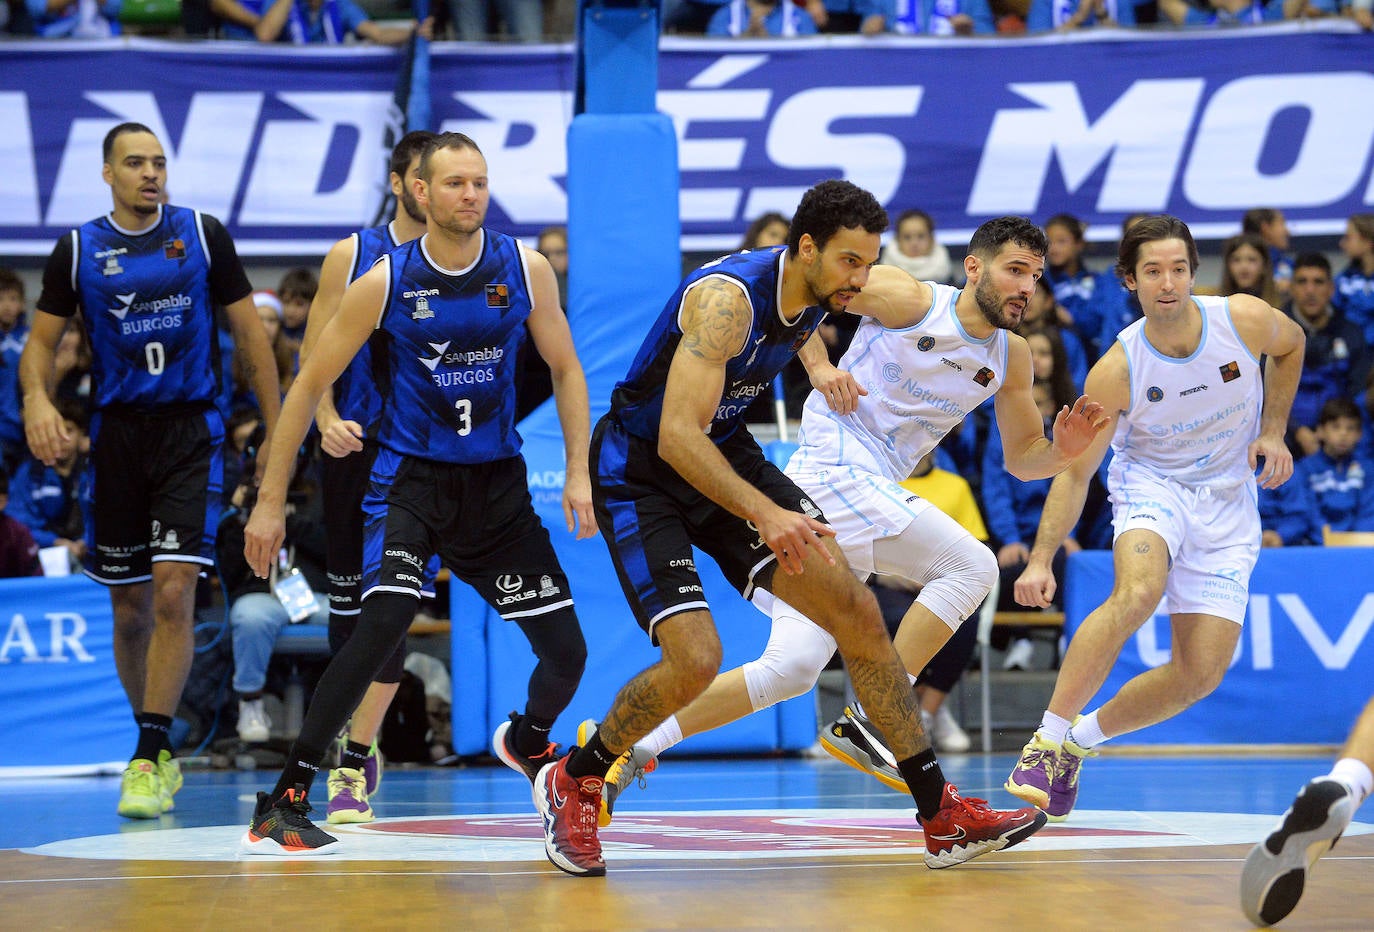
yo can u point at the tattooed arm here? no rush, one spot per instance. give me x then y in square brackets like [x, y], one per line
[716, 317]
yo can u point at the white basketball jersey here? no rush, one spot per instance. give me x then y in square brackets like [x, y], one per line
[1190, 420]
[921, 382]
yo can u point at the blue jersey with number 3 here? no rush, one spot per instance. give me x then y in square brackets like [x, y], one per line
[454, 338]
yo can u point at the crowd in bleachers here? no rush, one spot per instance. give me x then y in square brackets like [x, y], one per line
[388, 21]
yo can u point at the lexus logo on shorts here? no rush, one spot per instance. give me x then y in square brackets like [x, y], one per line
[509, 584]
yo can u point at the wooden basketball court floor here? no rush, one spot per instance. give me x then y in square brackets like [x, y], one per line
[740, 843]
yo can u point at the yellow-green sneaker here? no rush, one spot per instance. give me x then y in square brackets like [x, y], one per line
[140, 792]
[169, 775]
[348, 797]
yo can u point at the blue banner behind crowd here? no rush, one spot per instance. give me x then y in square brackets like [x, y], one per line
[60, 699]
[285, 144]
[1304, 667]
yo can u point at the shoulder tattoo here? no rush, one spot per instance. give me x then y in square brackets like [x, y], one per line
[715, 320]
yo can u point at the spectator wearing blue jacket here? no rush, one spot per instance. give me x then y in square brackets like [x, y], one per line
[1113, 305]
[1042, 313]
[1336, 361]
[1073, 283]
[1269, 223]
[318, 22]
[1047, 15]
[1220, 12]
[866, 17]
[1342, 485]
[1116, 306]
[1354, 295]
[14, 331]
[1365, 448]
[48, 499]
[942, 17]
[759, 18]
[1289, 516]
[1012, 509]
[75, 19]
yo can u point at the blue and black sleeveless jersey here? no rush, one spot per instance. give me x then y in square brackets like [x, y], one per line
[453, 339]
[147, 300]
[357, 397]
[637, 402]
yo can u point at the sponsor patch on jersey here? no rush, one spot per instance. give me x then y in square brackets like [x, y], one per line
[984, 376]
[1230, 372]
[498, 295]
[174, 249]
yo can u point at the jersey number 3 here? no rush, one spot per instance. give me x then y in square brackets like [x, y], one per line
[464, 416]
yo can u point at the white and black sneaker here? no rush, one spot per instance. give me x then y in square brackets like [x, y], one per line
[853, 739]
[1276, 870]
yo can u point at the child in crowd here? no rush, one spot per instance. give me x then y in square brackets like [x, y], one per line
[14, 331]
[296, 290]
[1354, 295]
[47, 499]
[915, 250]
[1073, 283]
[1342, 485]
[1248, 268]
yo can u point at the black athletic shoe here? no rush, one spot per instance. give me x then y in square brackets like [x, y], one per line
[503, 746]
[282, 829]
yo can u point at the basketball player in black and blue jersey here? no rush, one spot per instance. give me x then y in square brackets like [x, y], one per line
[348, 417]
[146, 278]
[453, 307]
[675, 468]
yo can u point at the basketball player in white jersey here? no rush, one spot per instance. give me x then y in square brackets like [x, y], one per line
[1193, 418]
[924, 356]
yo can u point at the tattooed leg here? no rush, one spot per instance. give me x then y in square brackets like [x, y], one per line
[691, 659]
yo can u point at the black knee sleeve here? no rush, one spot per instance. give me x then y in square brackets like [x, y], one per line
[381, 628]
[557, 642]
[341, 628]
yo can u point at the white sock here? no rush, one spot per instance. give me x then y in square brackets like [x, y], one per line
[1086, 733]
[858, 706]
[1053, 728]
[1354, 774]
[663, 737]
